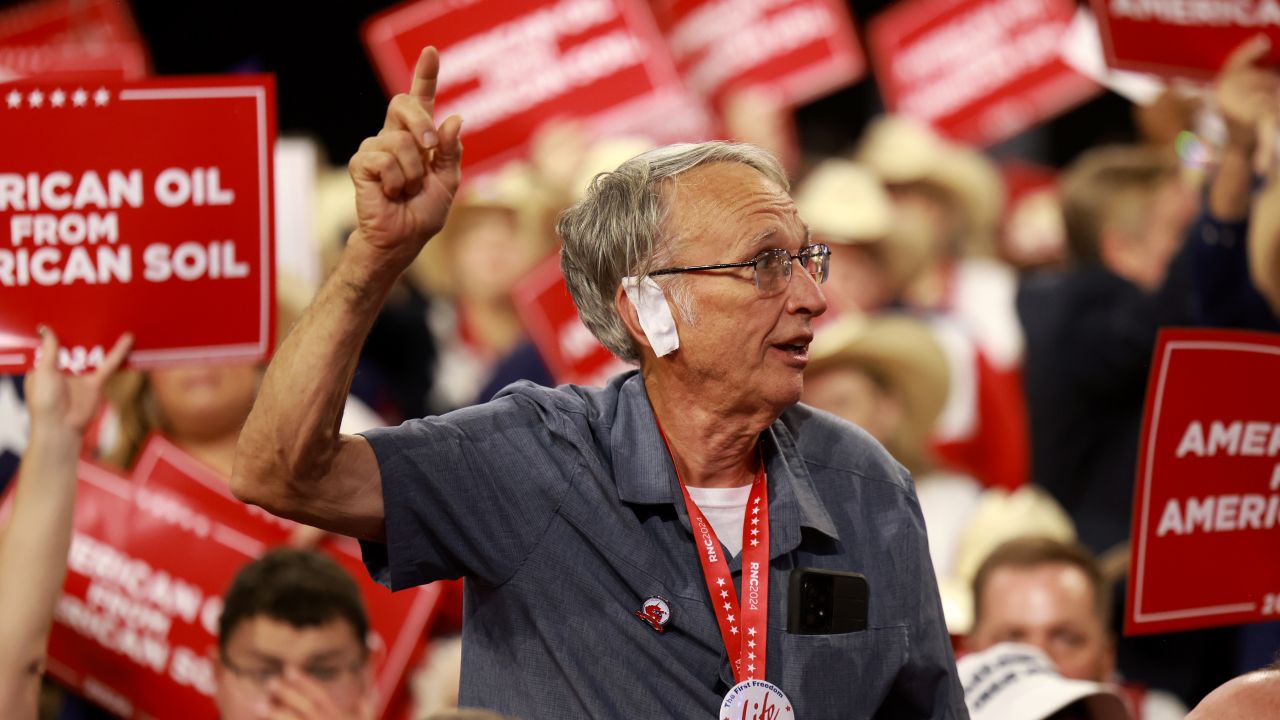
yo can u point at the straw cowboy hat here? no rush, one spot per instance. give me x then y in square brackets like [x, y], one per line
[901, 352]
[515, 188]
[1000, 516]
[902, 151]
[845, 203]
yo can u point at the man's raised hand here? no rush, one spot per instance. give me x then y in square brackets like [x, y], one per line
[406, 176]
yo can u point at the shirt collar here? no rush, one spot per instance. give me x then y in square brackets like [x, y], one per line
[645, 476]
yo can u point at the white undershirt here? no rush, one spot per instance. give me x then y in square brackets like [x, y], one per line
[725, 509]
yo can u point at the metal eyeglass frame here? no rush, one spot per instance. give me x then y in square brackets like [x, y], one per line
[806, 254]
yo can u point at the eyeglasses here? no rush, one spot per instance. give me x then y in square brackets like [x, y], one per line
[772, 267]
[324, 673]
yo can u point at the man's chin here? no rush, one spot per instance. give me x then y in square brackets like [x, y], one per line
[785, 393]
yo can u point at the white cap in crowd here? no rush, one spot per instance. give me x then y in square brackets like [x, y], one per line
[1011, 681]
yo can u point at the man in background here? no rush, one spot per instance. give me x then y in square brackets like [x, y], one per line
[1090, 332]
[1051, 594]
[291, 642]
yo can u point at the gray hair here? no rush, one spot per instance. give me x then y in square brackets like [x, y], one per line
[617, 229]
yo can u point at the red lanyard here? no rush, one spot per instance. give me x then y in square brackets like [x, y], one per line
[744, 628]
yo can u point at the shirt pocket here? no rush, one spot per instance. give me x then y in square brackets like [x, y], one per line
[845, 676]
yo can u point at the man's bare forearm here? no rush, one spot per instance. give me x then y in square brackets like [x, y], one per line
[289, 456]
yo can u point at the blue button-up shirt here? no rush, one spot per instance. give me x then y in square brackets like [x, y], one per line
[563, 511]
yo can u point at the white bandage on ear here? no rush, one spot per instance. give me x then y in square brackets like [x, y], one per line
[655, 315]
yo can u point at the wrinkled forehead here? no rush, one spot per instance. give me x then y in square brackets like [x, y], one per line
[726, 202]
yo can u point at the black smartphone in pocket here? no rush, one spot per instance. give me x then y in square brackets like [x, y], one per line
[826, 602]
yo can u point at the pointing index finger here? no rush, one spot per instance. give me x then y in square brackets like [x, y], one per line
[425, 76]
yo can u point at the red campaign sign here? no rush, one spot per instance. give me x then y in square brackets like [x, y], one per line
[1206, 521]
[798, 50]
[506, 66]
[136, 627]
[1183, 38]
[66, 21]
[979, 71]
[57, 37]
[142, 207]
[99, 62]
[568, 348]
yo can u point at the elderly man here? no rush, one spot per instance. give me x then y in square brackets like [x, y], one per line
[613, 566]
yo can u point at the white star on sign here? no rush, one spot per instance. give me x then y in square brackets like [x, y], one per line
[751, 655]
[733, 629]
[728, 606]
[720, 582]
[755, 531]
[751, 668]
[755, 543]
[101, 97]
[79, 97]
[750, 643]
[755, 511]
[731, 618]
[751, 631]
[14, 98]
[724, 593]
[58, 98]
[35, 99]
[755, 521]
[757, 502]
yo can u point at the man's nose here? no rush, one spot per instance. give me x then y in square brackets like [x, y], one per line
[804, 295]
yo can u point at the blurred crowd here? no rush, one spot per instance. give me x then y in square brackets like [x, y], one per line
[996, 343]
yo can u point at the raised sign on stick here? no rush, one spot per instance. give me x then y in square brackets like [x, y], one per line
[142, 207]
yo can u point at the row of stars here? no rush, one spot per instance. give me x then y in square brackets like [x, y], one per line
[58, 98]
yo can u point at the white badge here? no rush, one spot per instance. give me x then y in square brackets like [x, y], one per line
[655, 315]
[756, 700]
